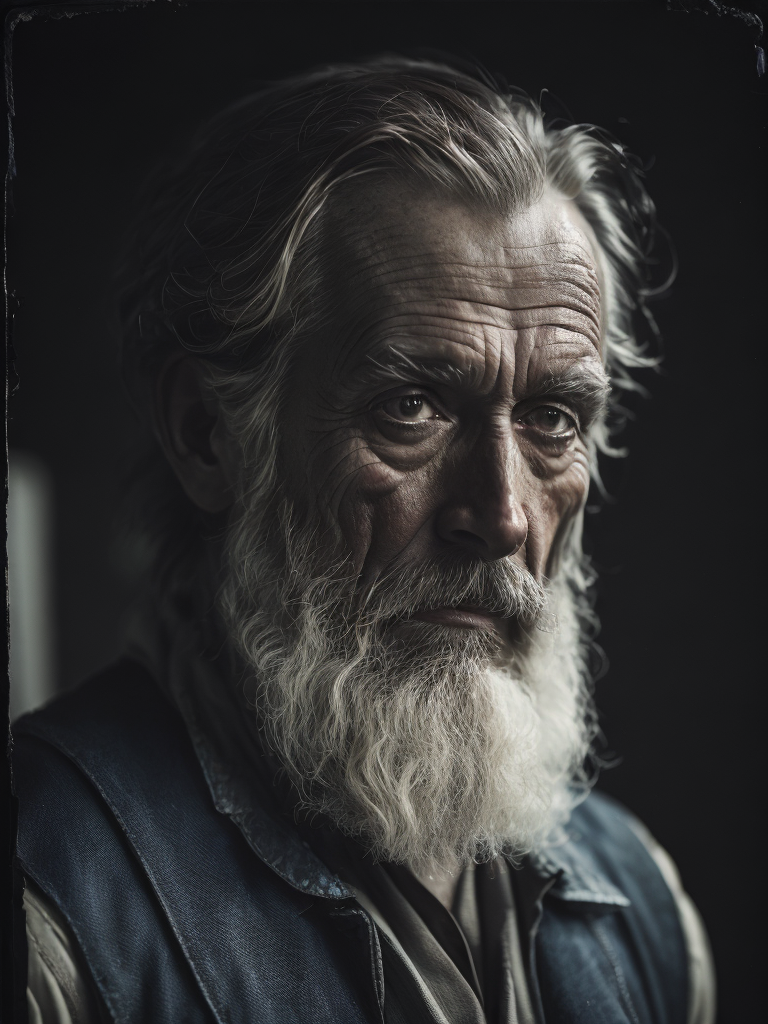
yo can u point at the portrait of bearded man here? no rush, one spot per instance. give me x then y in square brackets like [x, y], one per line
[376, 317]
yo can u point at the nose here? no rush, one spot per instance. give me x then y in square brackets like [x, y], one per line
[485, 516]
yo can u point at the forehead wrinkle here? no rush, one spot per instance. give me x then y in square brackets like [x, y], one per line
[423, 329]
[474, 282]
[378, 336]
[565, 253]
[496, 308]
[383, 282]
[520, 292]
[561, 360]
[454, 319]
[371, 234]
[389, 248]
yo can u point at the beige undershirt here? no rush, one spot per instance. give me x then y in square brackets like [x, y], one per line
[58, 989]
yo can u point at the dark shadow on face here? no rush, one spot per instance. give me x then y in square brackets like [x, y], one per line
[445, 412]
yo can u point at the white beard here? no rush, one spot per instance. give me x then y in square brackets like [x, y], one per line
[431, 745]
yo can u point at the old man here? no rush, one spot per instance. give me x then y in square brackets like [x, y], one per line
[341, 773]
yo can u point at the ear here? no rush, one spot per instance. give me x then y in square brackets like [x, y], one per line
[192, 435]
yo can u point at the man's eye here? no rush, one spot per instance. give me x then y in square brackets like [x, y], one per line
[550, 420]
[410, 409]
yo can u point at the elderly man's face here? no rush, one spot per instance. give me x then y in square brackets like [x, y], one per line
[444, 411]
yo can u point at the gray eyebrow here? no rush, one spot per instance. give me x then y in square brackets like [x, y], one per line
[399, 367]
[588, 389]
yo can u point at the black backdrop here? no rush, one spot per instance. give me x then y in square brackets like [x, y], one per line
[98, 96]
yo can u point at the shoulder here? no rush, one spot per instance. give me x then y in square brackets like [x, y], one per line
[92, 771]
[120, 830]
[618, 845]
[604, 817]
[640, 866]
[110, 730]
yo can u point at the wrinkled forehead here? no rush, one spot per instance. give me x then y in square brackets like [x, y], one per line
[392, 255]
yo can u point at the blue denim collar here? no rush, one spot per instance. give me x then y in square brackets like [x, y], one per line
[575, 879]
[568, 866]
[246, 799]
[169, 645]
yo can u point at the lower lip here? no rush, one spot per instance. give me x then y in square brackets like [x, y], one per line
[459, 618]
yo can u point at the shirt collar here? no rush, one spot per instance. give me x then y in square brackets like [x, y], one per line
[576, 877]
[170, 645]
[190, 666]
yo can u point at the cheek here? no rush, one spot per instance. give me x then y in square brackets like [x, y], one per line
[385, 515]
[371, 510]
[558, 499]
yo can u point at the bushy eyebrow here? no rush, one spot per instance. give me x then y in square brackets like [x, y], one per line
[587, 390]
[399, 368]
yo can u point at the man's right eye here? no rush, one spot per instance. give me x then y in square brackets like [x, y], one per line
[413, 408]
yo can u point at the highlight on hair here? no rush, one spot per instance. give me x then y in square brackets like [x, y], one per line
[230, 245]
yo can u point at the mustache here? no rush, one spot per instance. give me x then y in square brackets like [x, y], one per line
[502, 588]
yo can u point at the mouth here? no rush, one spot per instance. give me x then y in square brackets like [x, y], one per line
[461, 617]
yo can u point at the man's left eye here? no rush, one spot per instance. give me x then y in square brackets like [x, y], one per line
[410, 408]
[550, 420]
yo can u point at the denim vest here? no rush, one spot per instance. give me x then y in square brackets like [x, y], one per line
[182, 915]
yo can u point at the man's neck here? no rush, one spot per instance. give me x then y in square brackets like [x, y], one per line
[441, 882]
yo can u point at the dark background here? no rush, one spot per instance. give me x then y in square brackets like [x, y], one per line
[98, 96]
